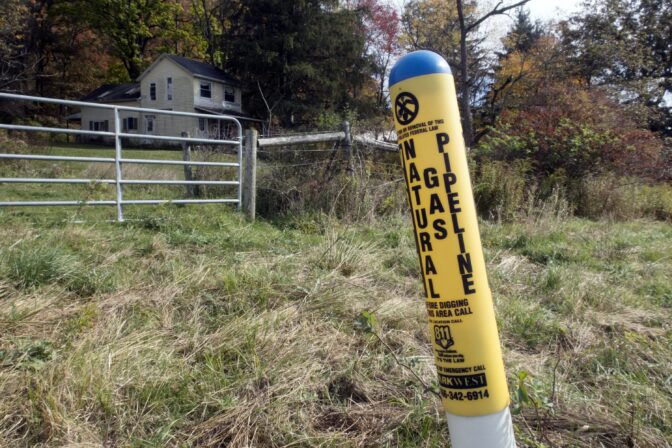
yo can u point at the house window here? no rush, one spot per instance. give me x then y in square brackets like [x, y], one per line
[206, 89]
[130, 124]
[169, 89]
[229, 94]
[152, 91]
[149, 123]
[99, 125]
[201, 124]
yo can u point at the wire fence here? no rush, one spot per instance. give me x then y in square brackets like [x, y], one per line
[329, 171]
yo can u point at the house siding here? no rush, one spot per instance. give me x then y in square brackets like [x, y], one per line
[186, 96]
[182, 100]
[217, 100]
[95, 114]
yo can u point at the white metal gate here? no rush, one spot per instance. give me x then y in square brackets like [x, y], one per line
[118, 160]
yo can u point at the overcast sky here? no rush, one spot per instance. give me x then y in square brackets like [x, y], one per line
[496, 27]
[552, 9]
[540, 9]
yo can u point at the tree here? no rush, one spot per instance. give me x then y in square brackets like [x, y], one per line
[559, 126]
[204, 14]
[130, 26]
[308, 56]
[381, 28]
[624, 46]
[15, 63]
[523, 34]
[452, 29]
[434, 25]
[468, 26]
[76, 57]
[530, 57]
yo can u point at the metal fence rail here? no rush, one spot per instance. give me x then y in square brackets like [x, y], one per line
[118, 160]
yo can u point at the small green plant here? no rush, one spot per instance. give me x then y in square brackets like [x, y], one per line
[27, 355]
[531, 393]
[366, 322]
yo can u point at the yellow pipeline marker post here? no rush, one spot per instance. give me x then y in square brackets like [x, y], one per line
[459, 305]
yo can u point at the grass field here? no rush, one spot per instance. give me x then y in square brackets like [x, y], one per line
[196, 328]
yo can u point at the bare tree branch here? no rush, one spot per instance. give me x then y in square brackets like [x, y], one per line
[496, 11]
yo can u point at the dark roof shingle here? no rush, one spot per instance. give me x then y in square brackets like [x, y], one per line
[204, 70]
[114, 92]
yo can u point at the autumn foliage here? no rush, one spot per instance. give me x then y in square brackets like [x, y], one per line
[555, 130]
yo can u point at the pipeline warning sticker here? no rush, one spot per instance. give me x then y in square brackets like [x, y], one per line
[406, 108]
[459, 305]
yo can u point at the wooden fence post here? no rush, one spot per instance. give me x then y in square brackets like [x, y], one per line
[347, 146]
[188, 175]
[249, 185]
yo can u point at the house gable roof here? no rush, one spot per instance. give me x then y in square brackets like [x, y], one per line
[114, 92]
[196, 68]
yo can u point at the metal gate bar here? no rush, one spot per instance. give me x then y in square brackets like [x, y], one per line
[118, 158]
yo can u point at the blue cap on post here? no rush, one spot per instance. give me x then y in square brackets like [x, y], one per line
[418, 63]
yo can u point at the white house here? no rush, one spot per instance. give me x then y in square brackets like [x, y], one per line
[171, 83]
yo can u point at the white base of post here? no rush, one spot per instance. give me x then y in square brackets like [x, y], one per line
[488, 431]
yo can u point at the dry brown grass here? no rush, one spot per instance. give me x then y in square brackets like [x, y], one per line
[214, 332]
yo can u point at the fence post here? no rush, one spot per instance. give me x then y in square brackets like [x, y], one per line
[249, 186]
[117, 165]
[188, 175]
[347, 146]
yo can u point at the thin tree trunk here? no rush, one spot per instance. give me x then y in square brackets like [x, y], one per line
[465, 82]
[467, 121]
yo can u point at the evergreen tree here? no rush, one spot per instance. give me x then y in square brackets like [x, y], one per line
[523, 33]
[299, 57]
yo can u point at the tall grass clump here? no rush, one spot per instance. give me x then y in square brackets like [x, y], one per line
[12, 145]
[34, 265]
[622, 198]
[506, 192]
[500, 189]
